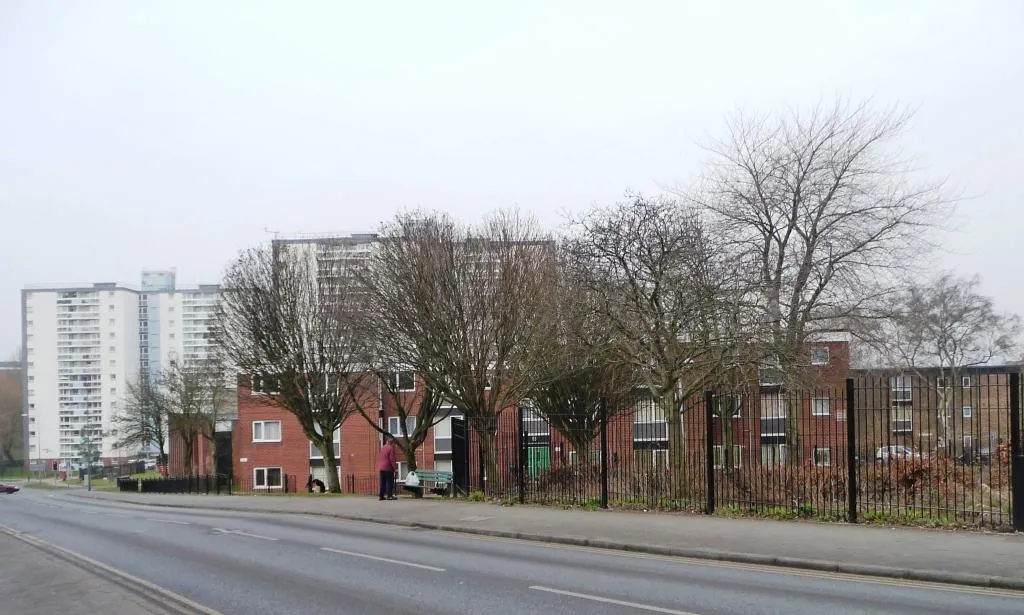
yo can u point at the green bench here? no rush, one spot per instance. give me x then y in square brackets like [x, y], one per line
[417, 480]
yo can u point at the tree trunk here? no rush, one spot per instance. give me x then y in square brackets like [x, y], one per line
[490, 461]
[331, 466]
[190, 444]
[676, 446]
[409, 450]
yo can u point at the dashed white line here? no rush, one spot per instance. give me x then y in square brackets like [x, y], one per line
[241, 533]
[383, 559]
[169, 521]
[632, 605]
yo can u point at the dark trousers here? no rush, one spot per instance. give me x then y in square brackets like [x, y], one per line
[387, 484]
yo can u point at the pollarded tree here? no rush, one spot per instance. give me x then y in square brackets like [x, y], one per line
[655, 273]
[468, 309]
[288, 317]
[585, 367]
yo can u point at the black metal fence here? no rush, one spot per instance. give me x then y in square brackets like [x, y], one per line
[893, 449]
[210, 484]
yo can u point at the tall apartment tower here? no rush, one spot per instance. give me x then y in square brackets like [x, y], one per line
[85, 344]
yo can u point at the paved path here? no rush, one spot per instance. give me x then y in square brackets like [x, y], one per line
[974, 558]
[248, 562]
[36, 581]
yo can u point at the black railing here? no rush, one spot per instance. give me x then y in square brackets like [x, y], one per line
[912, 450]
[208, 484]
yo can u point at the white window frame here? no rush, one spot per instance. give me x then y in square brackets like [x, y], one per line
[649, 410]
[410, 425]
[448, 420]
[255, 483]
[402, 471]
[396, 382]
[257, 386]
[965, 382]
[530, 417]
[815, 406]
[828, 456]
[737, 401]
[719, 456]
[316, 453]
[663, 454]
[828, 355]
[967, 412]
[263, 431]
[968, 443]
[907, 424]
[901, 388]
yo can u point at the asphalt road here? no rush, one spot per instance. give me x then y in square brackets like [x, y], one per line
[246, 563]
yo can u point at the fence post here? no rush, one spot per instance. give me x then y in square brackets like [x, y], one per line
[603, 409]
[709, 448]
[851, 454]
[520, 455]
[1016, 456]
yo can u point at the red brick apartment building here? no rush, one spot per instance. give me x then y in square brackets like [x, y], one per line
[268, 443]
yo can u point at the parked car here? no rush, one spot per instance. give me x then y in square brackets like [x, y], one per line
[885, 454]
[9, 488]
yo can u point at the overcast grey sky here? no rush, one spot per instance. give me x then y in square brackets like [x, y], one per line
[137, 135]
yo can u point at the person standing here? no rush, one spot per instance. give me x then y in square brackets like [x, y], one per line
[387, 464]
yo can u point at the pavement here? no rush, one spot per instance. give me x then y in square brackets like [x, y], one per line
[959, 557]
[242, 562]
[36, 580]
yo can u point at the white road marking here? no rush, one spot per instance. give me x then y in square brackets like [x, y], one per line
[241, 533]
[170, 521]
[383, 559]
[633, 605]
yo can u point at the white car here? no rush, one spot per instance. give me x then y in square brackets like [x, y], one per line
[885, 454]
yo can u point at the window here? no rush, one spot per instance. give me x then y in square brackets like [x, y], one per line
[113, 349]
[966, 382]
[316, 453]
[266, 478]
[170, 336]
[534, 424]
[443, 437]
[113, 376]
[729, 405]
[773, 454]
[403, 381]
[395, 425]
[266, 431]
[770, 373]
[113, 335]
[31, 378]
[900, 388]
[735, 460]
[402, 472]
[820, 406]
[967, 411]
[822, 456]
[773, 416]
[660, 457]
[940, 384]
[902, 419]
[968, 443]
[819, 355]
[113, 390]
[266, 384]
[649, 421]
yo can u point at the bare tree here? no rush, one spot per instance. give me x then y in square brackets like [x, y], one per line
[288, 318]
[654, 269]
[142, 421]
[821, 209]
[946, 325]
[585, 367]
[194, 397]
[468, 306]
